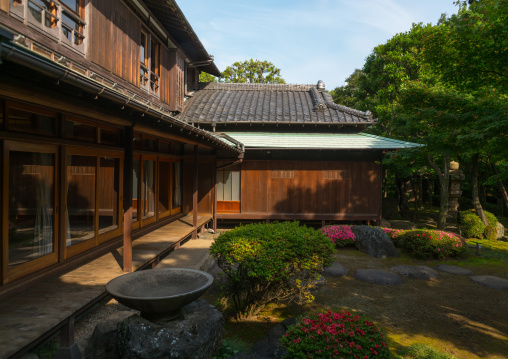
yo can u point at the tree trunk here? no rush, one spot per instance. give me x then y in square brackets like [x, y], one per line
[502, 189]
[404, 197]
[443, 180]
[417, 196]
[482, 189]
[474, 189]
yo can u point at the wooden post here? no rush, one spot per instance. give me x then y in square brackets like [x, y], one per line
[195, 195]
[127, 200]
[68, 349]
[214, 206]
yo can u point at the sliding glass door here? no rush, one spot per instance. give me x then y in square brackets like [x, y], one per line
[29, 219]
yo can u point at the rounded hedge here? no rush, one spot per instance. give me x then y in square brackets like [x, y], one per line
[264, 262]
[334, 335]
[432, 244]
[472, 226]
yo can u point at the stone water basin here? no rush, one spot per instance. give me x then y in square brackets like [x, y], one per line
[160, 293]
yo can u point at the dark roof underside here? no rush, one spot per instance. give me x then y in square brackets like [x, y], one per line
[174, 21]
[269, 103]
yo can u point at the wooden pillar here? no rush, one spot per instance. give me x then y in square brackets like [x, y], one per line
[127, 200]
[380, 194]
[214, 205]
[195, 195]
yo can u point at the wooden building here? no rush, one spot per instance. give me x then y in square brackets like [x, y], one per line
[305, 156]
[92, 151]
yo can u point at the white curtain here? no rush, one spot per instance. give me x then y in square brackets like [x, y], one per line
[44, 187]
[148, 188]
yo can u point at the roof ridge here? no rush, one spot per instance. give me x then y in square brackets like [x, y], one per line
[252, 86]
[349, 110]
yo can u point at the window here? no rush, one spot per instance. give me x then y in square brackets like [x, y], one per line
[62, 20]
[149, 56]
[228, 191]
[31, 120]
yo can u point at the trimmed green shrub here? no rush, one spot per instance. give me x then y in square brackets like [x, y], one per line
[341, 235]
[472, 226]
[432, 244]
[334, 335]
[269, 262]
[394, 235]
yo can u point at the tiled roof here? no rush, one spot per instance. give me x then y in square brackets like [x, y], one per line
[269, 103]
[173, 19]
[359, 141]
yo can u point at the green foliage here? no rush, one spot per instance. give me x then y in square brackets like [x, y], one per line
[432, 244]
[490, 233]
[253, 71]
[269, 262]
[48, 349]
[394, 235]
[204, 77]
[422, 351]
[231, 346]
[473, 227]
[328, 335]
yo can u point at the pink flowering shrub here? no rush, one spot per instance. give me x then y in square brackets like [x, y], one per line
[334, 335]
[428, 244]
[394, 235]
[341, 235]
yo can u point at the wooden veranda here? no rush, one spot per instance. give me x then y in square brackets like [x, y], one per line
[36, 313]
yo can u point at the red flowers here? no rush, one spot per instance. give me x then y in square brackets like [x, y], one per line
[334, 334]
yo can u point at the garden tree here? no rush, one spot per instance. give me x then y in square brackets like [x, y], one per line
[347, 95]
[252, 71]
[205, 77]
[470, 50]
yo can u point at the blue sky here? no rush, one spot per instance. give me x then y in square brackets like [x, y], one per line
[309, 40]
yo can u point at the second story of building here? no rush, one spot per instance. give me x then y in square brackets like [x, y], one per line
[143, 48]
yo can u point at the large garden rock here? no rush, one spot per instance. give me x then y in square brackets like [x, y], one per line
[377, 276]
[104, 340]
[374, 241]
[197, 335]
[415, 272]
[453, 269]
[336, 270]
[499, 231]
[491, 281]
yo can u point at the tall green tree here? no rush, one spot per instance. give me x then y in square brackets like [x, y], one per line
[252, 71]
[205, 77]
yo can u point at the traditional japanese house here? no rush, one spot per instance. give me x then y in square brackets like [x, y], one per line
[305, 156]
[92, 151]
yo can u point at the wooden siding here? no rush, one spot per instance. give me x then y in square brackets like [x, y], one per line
[206, 178]
[309, 188]
[115, 37]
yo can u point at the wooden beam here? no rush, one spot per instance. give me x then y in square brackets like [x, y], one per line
[4, 5]
[195, 194]
[127, 200]
[300, 216]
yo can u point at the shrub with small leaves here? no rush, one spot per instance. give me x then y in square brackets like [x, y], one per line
[472, 226]
[334, 335]
[269, 262]
[432, 244]
[341, 235]
[394, 235]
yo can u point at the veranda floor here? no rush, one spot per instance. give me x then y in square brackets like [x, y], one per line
[30, 314]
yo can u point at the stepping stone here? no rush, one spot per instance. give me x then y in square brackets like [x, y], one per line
[376, 276]
[453, 270]
[336, 270]
[491, 281]
[415, 272]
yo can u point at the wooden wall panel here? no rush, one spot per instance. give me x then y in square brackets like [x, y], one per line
[115, 36]
[310, 187]
[166, 64]
[206, 180]
[254, 187]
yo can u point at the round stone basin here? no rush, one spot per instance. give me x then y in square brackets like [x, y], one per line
[160, 293]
